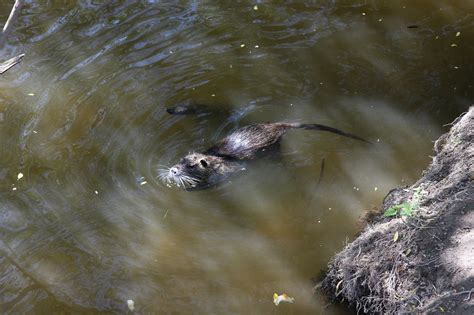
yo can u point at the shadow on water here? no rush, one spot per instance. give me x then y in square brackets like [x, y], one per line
[84, 119]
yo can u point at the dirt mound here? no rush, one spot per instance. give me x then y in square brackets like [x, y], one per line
[419, 255]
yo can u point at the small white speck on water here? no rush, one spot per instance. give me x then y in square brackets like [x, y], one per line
[131, 305]
[31, 94]
[256, 46]
[329, 208]
[320, 83]
[242, 45]
[255, 7]
[171, 51]
[19, 176]
[96, 192]
[363, 13]
[458, 34]
[34, 131]
[230, 66]
[380, 20]
[319, 221]
[143, 183]
[376, 188]
[454, 45]
[166, 214]
[291, 104]
[14, 188]
[456, 67]
[378, 140]
[213, 95]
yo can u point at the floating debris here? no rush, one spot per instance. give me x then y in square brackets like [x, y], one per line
[363, 13]
[131, 305]
[19, 176]
[376, 188]
[282, 298]
[14, 188]
[34, 131]
[458, 34]
[242, 45]
[454, 45]
[380, 20]
[31, 94]
[143, 183]
[96, 192]
[255, 7]
[256, 46]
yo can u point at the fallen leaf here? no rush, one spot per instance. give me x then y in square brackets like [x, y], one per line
[282, 298]
[395, 236]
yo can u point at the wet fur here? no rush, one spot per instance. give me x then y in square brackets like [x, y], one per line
[228, 156]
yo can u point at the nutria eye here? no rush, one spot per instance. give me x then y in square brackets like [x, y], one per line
[203, 163]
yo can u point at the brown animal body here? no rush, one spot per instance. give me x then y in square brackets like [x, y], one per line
[229, 155]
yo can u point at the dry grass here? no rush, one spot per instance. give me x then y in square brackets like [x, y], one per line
[382, 273]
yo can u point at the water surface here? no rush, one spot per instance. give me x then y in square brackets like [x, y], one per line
[83, 118]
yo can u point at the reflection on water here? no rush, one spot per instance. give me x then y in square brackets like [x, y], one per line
[83, 118]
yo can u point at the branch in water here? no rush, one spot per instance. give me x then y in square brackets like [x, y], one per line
[11, 19]
[6, 65]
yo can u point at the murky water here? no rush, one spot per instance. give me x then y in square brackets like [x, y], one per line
[83, 118]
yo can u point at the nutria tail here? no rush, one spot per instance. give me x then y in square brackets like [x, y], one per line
[324, 128]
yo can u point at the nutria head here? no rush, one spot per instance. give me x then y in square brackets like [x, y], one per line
[198, 171]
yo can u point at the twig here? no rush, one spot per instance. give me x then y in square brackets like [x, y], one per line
[6, 65]
[11, 19]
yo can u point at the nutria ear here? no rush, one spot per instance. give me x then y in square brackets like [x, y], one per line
[204, 163]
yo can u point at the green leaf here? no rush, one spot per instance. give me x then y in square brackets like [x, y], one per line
[406, 210]
[390, 212]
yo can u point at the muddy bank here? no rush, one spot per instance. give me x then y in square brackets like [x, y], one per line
[417, 253]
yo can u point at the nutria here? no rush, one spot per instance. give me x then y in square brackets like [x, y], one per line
[189, 108]
[228, 156]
